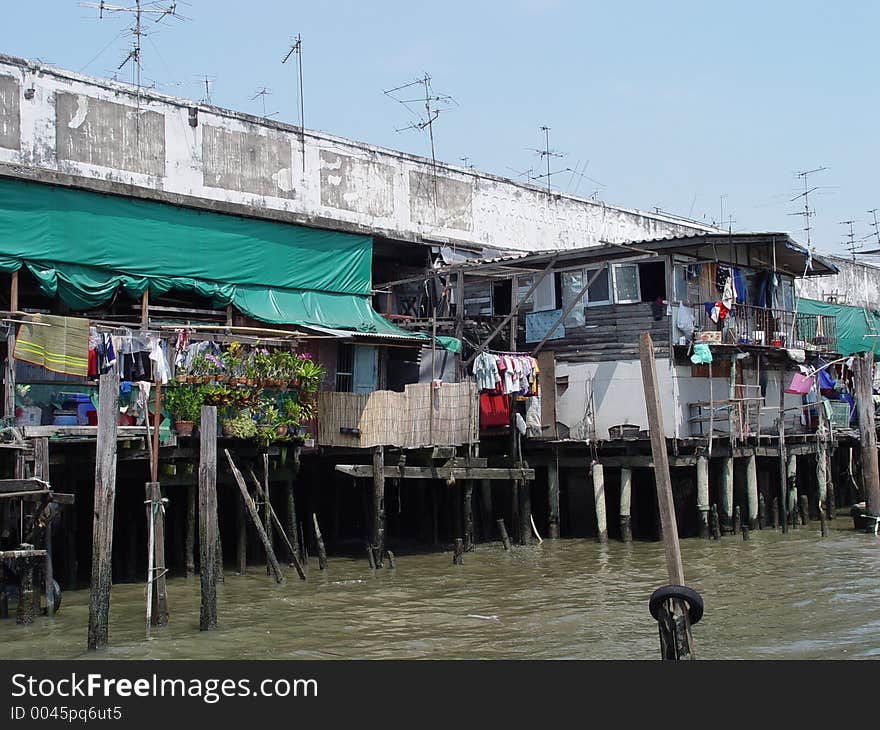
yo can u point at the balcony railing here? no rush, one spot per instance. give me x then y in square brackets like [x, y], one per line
[750, 325]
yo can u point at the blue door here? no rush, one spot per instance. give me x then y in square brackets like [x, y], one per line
[366, 369]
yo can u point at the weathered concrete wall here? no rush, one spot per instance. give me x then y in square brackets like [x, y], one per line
[62, 127]
[857, 284]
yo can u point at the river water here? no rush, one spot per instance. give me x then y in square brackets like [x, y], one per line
[794, 596]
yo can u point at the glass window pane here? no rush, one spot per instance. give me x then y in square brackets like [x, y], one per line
[599, 290]
[681, 285]
[626, 283]
[572, 283]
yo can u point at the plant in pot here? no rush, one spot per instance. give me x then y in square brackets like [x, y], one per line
[232, 363]
[241, 426]
[184, 403]
[311, 374]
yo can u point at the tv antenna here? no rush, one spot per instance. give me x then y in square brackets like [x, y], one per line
[434, 104]
[807, 212]
[296, 49]
[580, 175]
[875, 225]
[207, 82]
[546, 156]
[138, 11]
[851, 244]
[262, 93]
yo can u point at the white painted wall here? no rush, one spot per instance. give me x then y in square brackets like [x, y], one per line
[857, 284]
[246, 160]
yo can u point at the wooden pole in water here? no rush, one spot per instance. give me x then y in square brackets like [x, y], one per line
[821, 473]
[703, 494]
[752, 490]
[597, 472]
[241, 537]
[524, 492]
[255, 518]
[502, 530]
[41, 471]
[322, 553]
[189, 548]
[105, 493]
[553, 498]
[671, 547]
[762, 512]
[715, 522]
[378, 533]
[783, 471]
[726, 495]
[274, 521]
[457, 555]
[863, 376]
[774, 513]
[626, 534]
[737, 520]
[267, 519]
[791, 504]
[468, 509]
[804, 509]
[160, 595]
[208, 517]
[291, 503]
[486, 512]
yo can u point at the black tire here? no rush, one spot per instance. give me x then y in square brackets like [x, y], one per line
[693, 600]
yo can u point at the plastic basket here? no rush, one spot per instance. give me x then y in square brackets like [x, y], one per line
[839, 413]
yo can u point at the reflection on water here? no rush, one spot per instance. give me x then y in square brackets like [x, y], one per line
[784, 597]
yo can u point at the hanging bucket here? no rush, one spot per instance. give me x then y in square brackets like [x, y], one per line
[800, 384]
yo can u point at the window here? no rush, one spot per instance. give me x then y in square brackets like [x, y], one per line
[599, 291]
[344, 368]
[572, 283]
[626, 283]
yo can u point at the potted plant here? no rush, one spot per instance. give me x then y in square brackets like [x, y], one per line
[184, 404]
[241, 426]
[311, 374]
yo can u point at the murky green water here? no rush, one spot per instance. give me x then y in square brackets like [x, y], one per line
[782, 597]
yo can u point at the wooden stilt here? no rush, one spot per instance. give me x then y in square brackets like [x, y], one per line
[726, 512]
[322, 553]
[291, 503]
[791, 505]
[458, 553]
[105, 494]
[626, 504]
[378, 533]
[276, 523]
[468, 509]
[715, 522]
[241, 537]
[70, 560]
[737, 520]
[190, 537]
[524, 494]
[823, 524]
[255, 518]
[703, 495]
[762, 512]
[218, 551]
[774, 513]
[208, 517]
[752, 490]
[863, 376]
[502, 531]
[267, 519]
[371, 559]
[597, 472]
[487, 516]
[804, 509]
[160, 607]
[391, 559]
[553, 499]
[41, 471]
[26, 593]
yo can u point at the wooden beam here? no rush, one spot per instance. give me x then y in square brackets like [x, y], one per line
[365, 471]
[864, 370]
[23, 485]
[105, 495]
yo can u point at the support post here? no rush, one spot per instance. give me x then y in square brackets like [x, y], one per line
[867, 432]
[703, 494]
[762, 512]
[378, 533]
[804, 509]
[626, 534]
[791, 505]
[783, 469]
[291, 505]
[598, 476]
[468, 510]
[553, 499]
[156, 524]
[190, 538]
[9, 365]
[502, 531]
[41, 471]
[208, 517]
[267, 507]
[683, 641]
[486, 512]
[458, 553]
[105, 494]
[726, 495]
[752, 490]
[821, 474]
[524, 495]
[241, 537]
[322, 553]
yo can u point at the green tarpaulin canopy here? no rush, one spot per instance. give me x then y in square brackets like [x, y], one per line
[83, 247]
[855, 325]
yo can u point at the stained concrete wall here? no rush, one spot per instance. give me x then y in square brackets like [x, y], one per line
[857, 284]
[75, 130]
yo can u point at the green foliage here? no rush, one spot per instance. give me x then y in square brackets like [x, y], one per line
[184, 402]
[241, 426]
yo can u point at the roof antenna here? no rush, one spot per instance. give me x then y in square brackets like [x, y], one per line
[137, 31]
[264, 92]
[546, 155]
[296, 48]
[207, 81]
[851, 244]
[807, 212]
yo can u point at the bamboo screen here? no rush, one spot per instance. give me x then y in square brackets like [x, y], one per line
[420, 416]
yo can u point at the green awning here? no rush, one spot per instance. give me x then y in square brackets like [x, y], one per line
[857, 328]
[82, 247]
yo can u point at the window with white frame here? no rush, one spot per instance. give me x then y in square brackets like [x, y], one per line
[599, 292]
[626, 283]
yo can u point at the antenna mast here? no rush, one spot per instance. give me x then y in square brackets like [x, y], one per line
[296, 48]
[807, 213]
[546, 154]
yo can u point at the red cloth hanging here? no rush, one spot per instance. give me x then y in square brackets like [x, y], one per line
[494, 410]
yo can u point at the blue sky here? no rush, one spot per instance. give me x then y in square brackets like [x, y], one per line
[673, 105]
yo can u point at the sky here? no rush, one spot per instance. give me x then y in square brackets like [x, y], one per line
[700, 109]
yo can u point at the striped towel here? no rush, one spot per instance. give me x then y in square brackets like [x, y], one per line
[62, 347]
